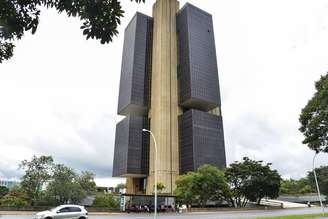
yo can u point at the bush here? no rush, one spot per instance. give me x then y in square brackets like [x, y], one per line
[106, 201]
[11, 201]
[3, 191]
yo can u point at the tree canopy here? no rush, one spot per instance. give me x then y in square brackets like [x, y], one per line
[296, 187]
[66, 186]
[314, 118]
[322, 175]
[48, 183]
[37, 172]
[251, 180]
[206, 184]
[100, 19]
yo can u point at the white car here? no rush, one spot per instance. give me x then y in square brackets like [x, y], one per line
[64, 212]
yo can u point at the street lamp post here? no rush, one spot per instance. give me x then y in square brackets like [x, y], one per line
[317, 184]
[155, 171]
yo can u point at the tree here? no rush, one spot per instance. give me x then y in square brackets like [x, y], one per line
[314, 118]
[100, 19]
[322, 176]
[185, 184]
[106, 201]
[296, 187]
[46, 183]
[206, 184]
[252, 181]
[63, 187]
[87, 182]
[37, 173]
[3, 191]
[66, 186]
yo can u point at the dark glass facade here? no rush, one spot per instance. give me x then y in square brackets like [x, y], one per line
[136, 67]
[201, 140]
[131, 156]
[201, 136]
[197, 69]
[131, 147]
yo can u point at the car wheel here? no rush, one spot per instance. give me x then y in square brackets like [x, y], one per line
[81, 217]
[48, 218]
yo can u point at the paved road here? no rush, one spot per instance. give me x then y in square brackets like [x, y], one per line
[212, 215]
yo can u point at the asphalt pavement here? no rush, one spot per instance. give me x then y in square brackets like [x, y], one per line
[206, 215]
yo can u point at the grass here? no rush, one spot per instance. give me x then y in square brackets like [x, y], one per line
[301, 216]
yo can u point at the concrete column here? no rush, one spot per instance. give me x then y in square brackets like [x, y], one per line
[164, 108]
[130, 186]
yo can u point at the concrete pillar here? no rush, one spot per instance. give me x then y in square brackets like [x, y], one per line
[164, 109]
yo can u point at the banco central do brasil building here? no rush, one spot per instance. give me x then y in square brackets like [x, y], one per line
[169, 85]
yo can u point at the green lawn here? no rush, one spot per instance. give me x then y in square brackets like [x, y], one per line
[301, 216]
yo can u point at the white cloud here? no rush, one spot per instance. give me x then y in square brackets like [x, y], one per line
[58, 95]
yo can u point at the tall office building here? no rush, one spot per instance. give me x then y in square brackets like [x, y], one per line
[169, 85]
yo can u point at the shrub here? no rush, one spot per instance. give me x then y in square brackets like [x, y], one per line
[11, 201]
[106, 201]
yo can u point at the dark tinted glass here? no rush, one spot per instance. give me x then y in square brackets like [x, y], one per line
[75, 209]
[201, 140]
[64, 210]
[197, 70]
[131, 154]
[136, 67]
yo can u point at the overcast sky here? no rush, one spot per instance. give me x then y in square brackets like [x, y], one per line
[58, 94]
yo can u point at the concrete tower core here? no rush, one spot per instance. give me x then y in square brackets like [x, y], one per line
[169, 85]
[164, 108]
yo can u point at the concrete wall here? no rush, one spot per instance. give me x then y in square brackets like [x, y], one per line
[164, 109]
